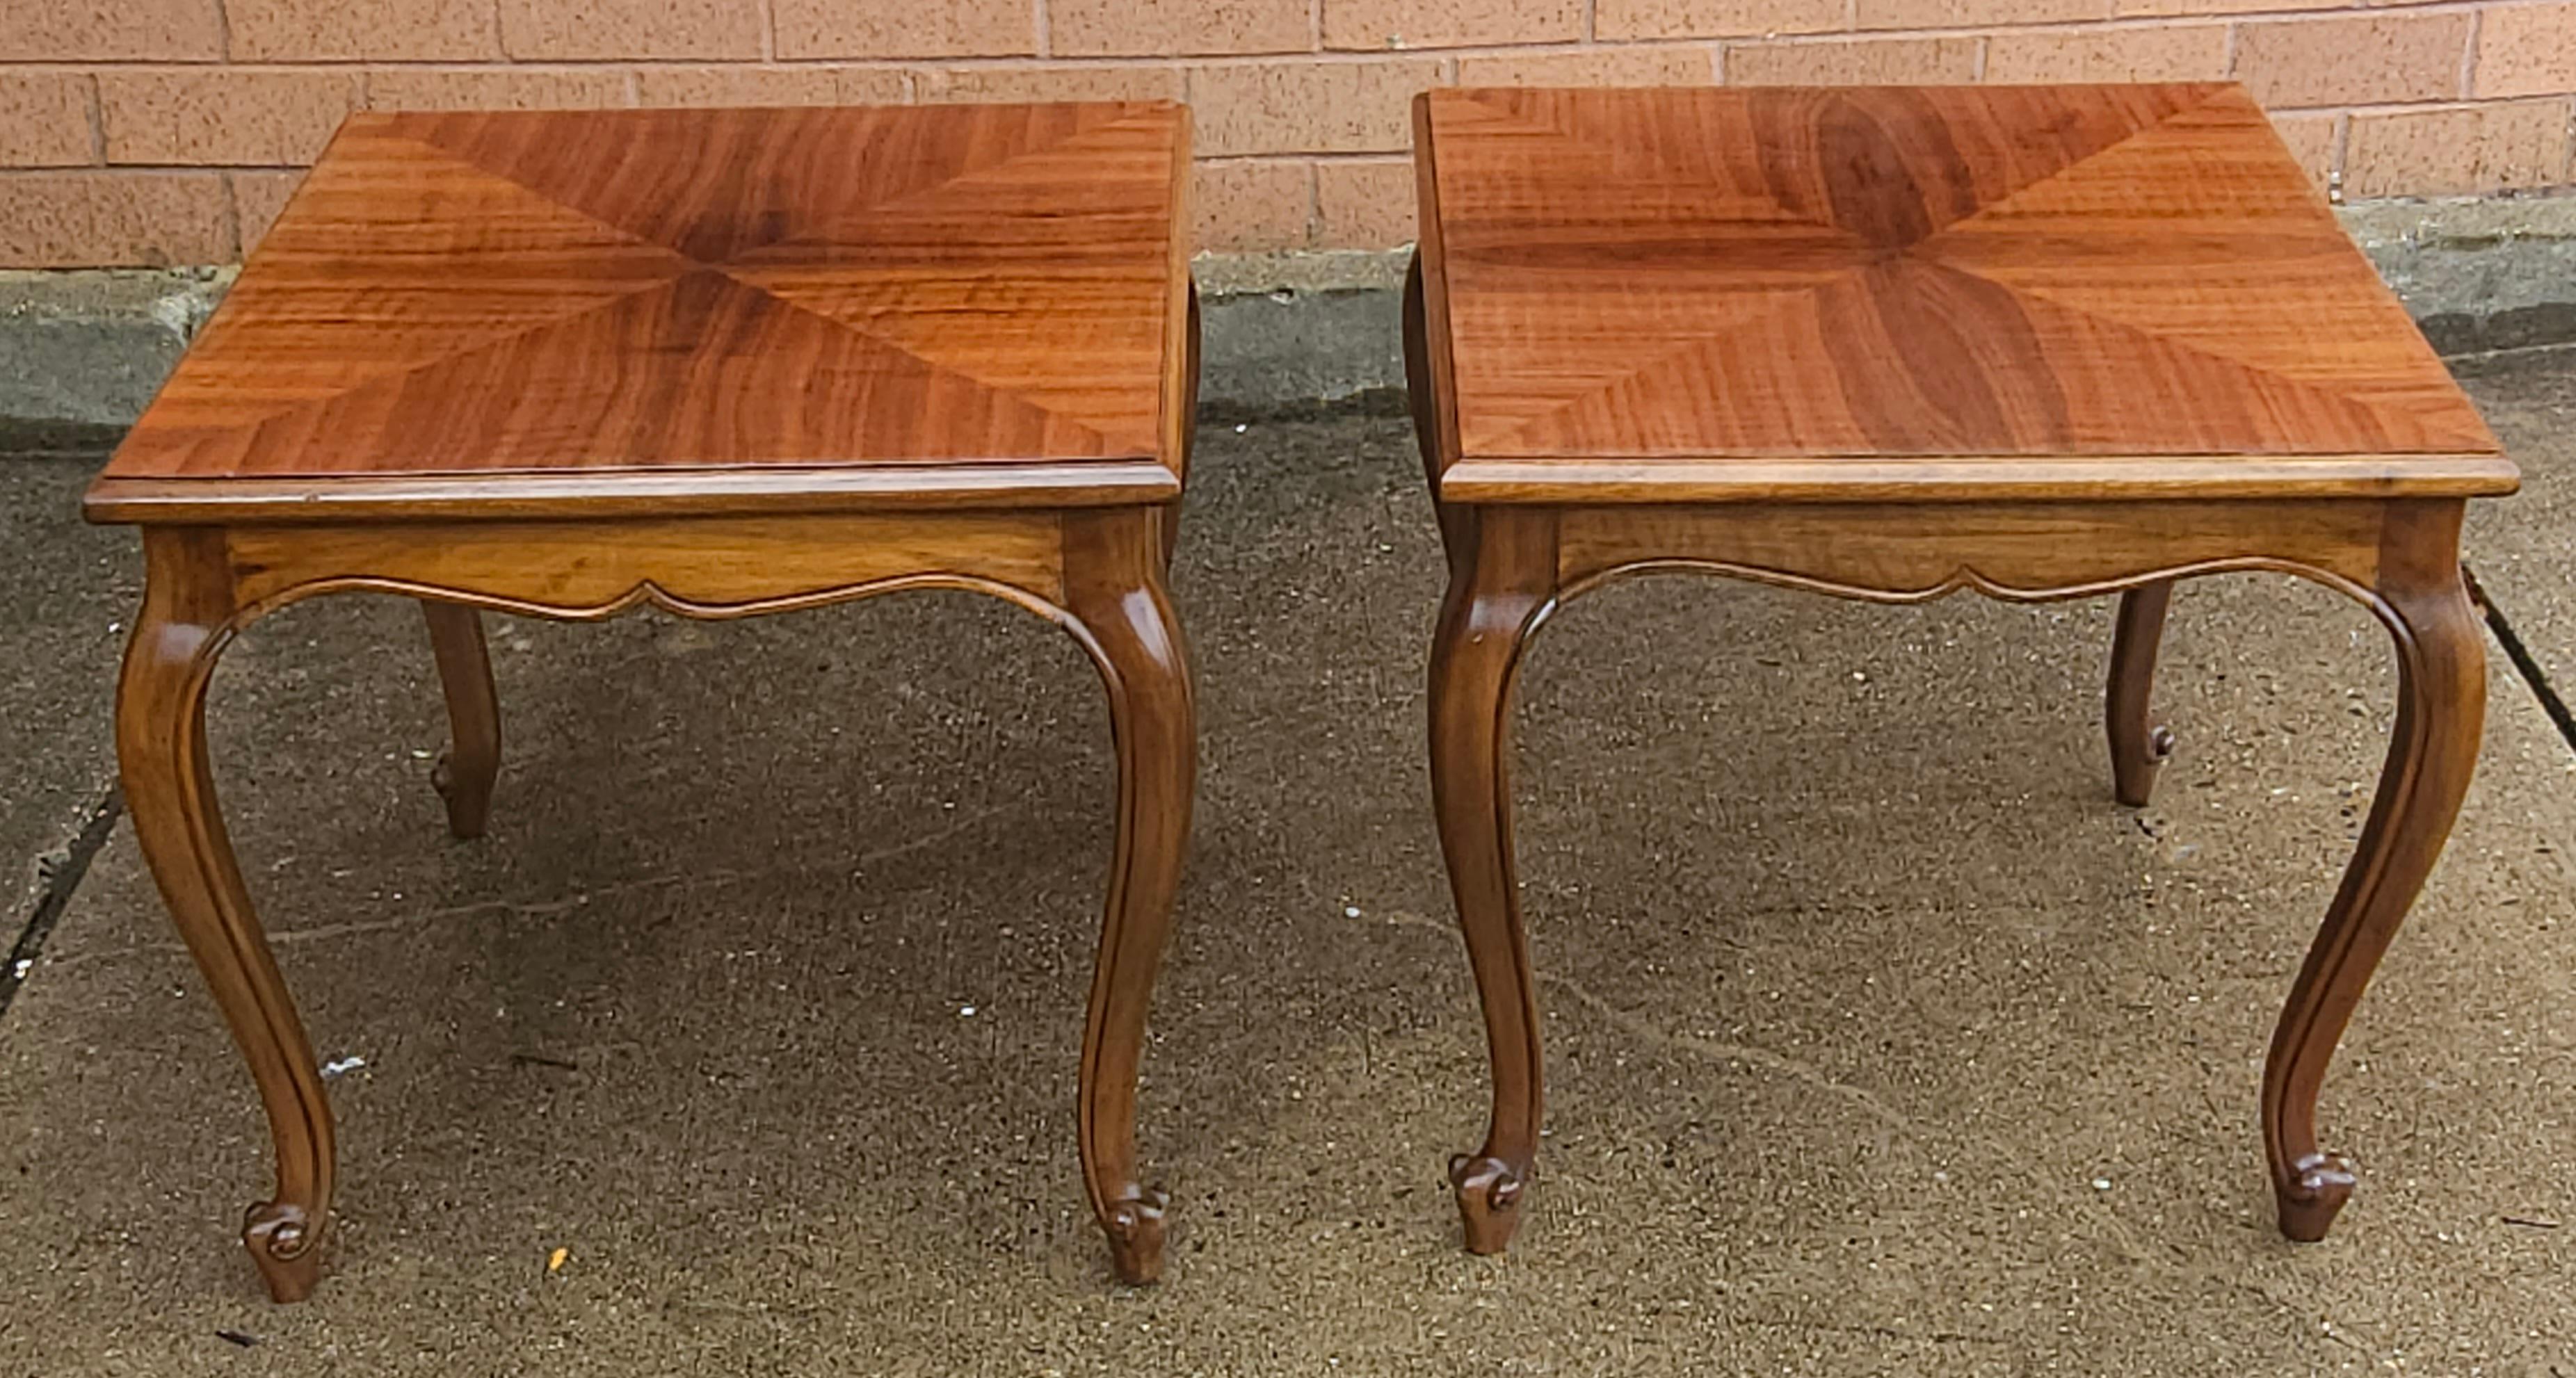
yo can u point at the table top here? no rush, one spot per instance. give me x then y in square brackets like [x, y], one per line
[670, 311]
[1944, 292]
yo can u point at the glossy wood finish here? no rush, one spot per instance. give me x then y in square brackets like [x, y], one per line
[1503, 582]
[1900, 553]
[826, 307]
[2441, 709]
[2041, 343]
[1000, 250]
[1963, 294]
[1115, 604]
[188, 616]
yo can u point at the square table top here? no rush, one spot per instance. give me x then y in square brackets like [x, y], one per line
[647, 311]
[1939, 292]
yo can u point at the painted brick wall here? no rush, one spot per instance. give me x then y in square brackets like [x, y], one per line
[170, 131]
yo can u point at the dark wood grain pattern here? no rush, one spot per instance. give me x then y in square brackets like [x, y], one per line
[1719, 295]
[727, 363]
[1888, 345]
[610, 296]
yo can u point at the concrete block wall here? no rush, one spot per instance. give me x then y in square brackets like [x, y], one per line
[143, 132]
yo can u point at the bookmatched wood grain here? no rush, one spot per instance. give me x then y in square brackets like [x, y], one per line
[727, 362]
[1889, 344]
[768, 299]
[1722, 295]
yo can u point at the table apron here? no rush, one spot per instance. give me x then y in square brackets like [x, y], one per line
[1910, 552]
[698, 567]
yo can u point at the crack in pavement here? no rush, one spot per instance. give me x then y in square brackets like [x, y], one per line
[516, 909]
[2525, 664]
[529, 908]
[61, 877]
[1646, 1031]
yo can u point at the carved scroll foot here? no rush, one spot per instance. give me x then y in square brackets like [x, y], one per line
[1500, 589]
[1489, 1200]
[1114, 592]
[2138, 751]
[1135, 1230]
[465, 772]
[286, 1247]
[187, 617]
[2441, 708]
[2315, 1190]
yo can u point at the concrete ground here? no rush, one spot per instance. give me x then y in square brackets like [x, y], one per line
[1880, 1040]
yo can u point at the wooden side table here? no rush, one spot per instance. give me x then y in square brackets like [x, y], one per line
[1890, 343]
[728, 362]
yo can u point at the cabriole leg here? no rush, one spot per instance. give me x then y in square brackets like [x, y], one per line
[2138, 748]
[2441, 708]
[1114, 590]
[1502, 584]
[464, 774]
[169, 792]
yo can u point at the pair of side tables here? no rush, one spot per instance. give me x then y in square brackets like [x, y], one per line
[1883, 343]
